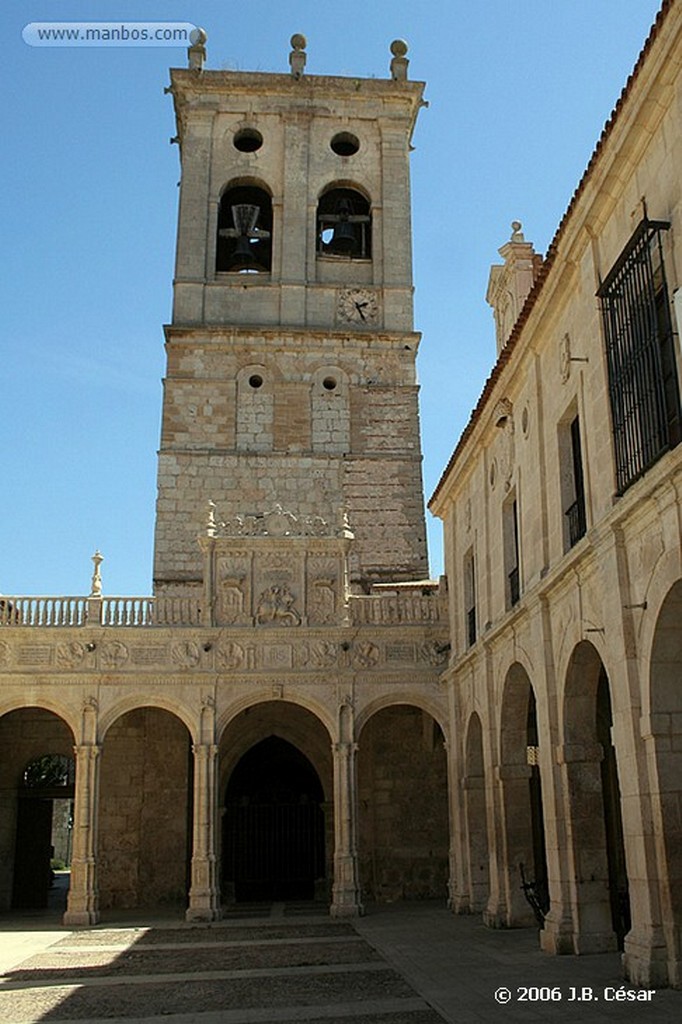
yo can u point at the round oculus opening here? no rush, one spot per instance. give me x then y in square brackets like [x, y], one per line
[345, 144]
[329, 383]
[255, 380]
[248, 140]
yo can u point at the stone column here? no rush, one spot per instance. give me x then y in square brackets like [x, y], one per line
[204, 897]
[507, 906]
[346, 889]
[83, 899]
[586, 836]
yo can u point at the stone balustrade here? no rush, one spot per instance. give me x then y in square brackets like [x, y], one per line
[392, 608]
[373, 610]
[99, 611]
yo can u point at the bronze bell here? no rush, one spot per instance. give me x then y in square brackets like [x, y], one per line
[344, 240]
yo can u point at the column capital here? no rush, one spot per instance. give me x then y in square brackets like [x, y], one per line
[204, 750]
[87, 750]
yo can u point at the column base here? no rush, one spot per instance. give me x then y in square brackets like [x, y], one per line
[556, 938]
[203, 907]
[346, 909]
[645, 961]
[80, 918]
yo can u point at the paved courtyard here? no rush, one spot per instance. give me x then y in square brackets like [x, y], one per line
[284, 963]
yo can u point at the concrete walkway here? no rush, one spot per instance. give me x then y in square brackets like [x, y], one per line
[405, 964]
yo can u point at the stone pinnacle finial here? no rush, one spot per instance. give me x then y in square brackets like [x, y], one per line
[399, 63]
[196, 54]
[96, 585]
[210, 520]
[298, 56]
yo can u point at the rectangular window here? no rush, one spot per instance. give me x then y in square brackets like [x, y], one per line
[572, 485]
[643, 386]
[470, 598]
[510, 526]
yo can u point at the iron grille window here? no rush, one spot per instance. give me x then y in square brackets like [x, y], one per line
[643, 388]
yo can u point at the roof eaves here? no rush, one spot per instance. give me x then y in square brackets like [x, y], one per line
[532, 297]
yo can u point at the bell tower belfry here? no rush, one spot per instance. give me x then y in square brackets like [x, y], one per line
[291, 353]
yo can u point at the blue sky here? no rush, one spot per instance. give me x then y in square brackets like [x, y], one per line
[518, 94]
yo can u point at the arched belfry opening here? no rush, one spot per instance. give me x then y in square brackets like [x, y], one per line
[344, 224]
[244, 243]
[274, 827]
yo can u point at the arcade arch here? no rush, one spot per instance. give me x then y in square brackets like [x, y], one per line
[403, 835]
[145, 810]
[476, 817]
[666, 731]
[276, 791]
[524, 861]
[29, 737]
[601, 911]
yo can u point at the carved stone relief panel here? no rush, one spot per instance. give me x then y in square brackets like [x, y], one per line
[323, 590]
[233, 590]
[278, 588]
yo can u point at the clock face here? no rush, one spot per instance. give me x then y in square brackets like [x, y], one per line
[358, 306]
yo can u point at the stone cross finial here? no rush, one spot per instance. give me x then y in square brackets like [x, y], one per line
[196, 54]
[96, 586]
[298, 56]
[399, 63]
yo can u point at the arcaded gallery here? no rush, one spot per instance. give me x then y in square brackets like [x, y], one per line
[298, 712]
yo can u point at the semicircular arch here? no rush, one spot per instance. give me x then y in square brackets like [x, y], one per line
[139, 701]
[437, 712]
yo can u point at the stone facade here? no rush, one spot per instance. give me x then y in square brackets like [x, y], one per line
[511, 739]
[561, 508]
[221, 726]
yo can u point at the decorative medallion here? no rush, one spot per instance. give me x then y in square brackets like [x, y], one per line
[70, 654]
[230, 656]
[366, 654]
[186, 654]
[113, 655]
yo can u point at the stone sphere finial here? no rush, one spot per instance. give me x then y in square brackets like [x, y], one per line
[298, 56]
[517, 233]
[196, 53]
[399, 61]
[198, 37]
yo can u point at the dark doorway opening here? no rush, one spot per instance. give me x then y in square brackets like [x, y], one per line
[44, 822]
[273, 829]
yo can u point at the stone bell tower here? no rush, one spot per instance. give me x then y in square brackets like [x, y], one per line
[291, 355]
